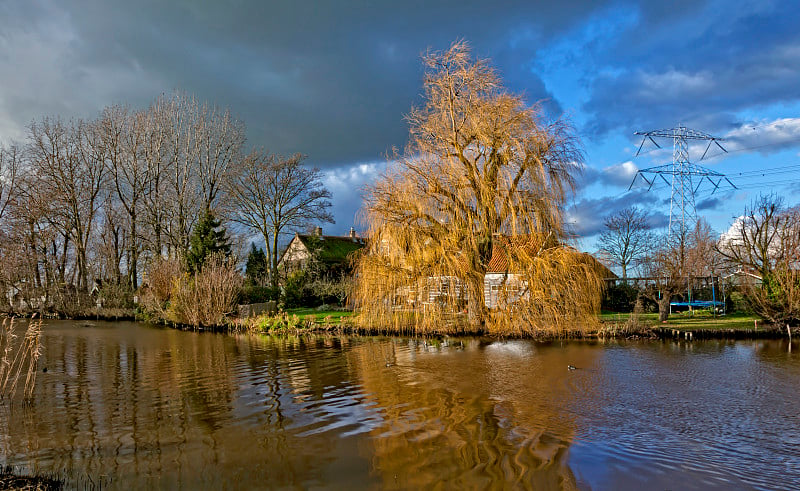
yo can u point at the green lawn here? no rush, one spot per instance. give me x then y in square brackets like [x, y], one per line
[691, 322]
[320, 315]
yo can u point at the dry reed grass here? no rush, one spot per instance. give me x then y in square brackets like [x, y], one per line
[16, 360]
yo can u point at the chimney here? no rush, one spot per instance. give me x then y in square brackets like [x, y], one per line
[318, 231]
[352, 233]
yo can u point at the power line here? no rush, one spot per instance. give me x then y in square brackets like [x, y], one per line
[682, 212]
[755, 147]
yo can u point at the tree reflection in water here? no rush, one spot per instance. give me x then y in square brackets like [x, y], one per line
[475, 415]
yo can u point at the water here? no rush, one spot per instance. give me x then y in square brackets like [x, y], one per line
[131, 406]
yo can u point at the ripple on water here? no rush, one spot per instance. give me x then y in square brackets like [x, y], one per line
[168, 409]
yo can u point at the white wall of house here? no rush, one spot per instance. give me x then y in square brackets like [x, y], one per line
[492, 283]
[295, 256]
[498, 287]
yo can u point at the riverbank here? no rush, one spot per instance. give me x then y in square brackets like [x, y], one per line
[697, 325]
[700, 325]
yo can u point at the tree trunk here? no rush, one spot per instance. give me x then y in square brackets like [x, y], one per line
[663, 308]
[476, 306]
[274, 265]
[133, 269]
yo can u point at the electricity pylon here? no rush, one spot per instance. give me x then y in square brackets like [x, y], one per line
[685, 174]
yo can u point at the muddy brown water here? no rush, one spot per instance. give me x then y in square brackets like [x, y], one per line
[132, 406]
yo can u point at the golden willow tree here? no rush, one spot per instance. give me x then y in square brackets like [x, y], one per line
[484, 179]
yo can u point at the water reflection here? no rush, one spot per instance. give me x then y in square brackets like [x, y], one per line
[463, 415]
[143, 407]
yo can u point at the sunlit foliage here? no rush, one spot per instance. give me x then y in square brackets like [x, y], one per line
[482, 170]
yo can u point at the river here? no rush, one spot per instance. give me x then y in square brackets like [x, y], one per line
[131, 406]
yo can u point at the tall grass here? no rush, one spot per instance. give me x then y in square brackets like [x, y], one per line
[16, 360]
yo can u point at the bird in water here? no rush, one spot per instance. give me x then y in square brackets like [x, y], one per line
[570, 367]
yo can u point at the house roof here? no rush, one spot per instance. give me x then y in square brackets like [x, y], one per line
[331, 249]
[499, 262]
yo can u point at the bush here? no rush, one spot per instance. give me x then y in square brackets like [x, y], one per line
[259, 294]
[204, 299]
[162, 276]
[302, 290]
[281, 321]
[620, 298]
[297, 291]
[115, 296]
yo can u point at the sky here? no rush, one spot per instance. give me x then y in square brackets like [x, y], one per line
[334, 80]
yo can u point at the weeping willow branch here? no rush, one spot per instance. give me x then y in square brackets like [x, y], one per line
[483, 176]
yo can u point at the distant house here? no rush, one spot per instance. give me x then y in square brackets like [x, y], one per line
[502, 283]
[328, 255]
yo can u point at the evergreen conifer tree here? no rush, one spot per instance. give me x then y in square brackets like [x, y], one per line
[208, 237]
[256, 268]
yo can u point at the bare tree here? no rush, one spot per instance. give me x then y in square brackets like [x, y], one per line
[626, 238]
[765, 242]
[221, 139]
[203, 146]
[184, 151]
[122, 135]
[97, 198]
[273, 195]
[156, 156]
[10, 169]
[666, 274]
[65, 159]
[480, 163]
[672, 266]
[702, 257]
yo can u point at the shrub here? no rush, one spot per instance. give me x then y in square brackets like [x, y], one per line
[297, 291]
[162, 275]
[303, 290]
[259, 294]
[204, 299]
[620, 298]
[115, 296]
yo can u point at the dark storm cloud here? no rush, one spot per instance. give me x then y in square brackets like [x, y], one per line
[329, 79]
[333, 80]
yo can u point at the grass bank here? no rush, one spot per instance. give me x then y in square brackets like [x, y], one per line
[296, 320]
[697, 324]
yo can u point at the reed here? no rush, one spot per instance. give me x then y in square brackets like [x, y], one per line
[19, 360]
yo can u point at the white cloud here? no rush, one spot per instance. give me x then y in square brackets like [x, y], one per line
[673, 83]
[764, 136]
[346, 184]
[620, 174]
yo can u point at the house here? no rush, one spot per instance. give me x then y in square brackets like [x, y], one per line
[328, 255]
[502, 285]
